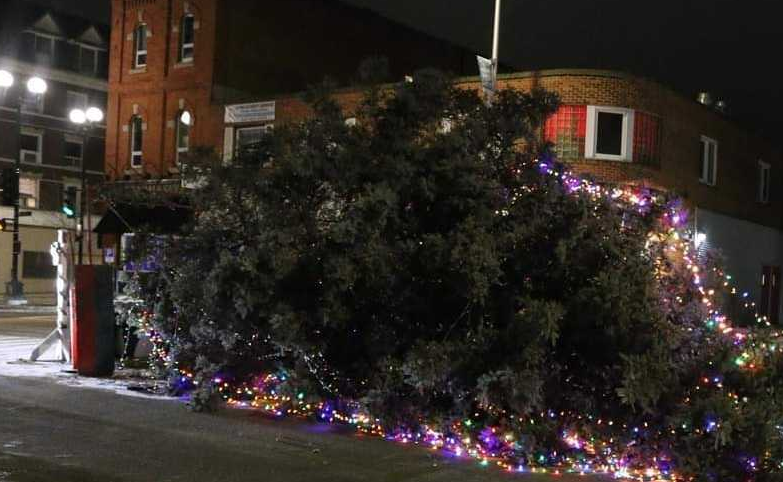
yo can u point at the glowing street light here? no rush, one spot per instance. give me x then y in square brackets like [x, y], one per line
[37, 86]
[94, 115]
[6, 79]
[78, 116]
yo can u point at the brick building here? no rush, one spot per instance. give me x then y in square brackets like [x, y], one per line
[70, 54]
[193, 57]
[198, 73]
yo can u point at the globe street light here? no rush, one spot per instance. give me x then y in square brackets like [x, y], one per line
[6, 79]
[84, 119]
[37, 87]
[94, 115]
[78, 116]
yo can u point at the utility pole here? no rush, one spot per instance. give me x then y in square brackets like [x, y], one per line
[16, 290]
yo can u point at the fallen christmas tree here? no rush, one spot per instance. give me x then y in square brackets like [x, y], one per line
[430, 274]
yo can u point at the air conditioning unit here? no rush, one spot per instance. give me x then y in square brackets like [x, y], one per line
[30, 157]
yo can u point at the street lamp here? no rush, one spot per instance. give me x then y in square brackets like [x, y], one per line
[6, 79]
[84, 119]
[36, 86]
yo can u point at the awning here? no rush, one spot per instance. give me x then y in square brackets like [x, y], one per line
[128, 218]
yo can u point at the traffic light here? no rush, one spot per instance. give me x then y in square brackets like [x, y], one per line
[10, 186]
[69, 202]
[4, 225]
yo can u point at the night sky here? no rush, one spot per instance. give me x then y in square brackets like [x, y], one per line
[730, 47]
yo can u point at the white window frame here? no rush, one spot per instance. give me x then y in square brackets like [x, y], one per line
[591, 140]
[765, 182]
[74, 161]
[95, 53]
[49, 38]
[136, 156]
[137, 52]
[188, 45]
[704, 176]
[26, 131]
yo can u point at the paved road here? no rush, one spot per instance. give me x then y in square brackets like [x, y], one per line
[20, 333]
[50, 431]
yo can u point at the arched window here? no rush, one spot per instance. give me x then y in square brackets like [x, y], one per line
[136, 141]
[140, 46]
[184, 122]
[187, 38]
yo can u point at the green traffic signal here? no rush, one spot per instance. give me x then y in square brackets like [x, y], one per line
[69, 203]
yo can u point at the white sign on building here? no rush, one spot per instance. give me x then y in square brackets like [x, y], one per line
[253, 112]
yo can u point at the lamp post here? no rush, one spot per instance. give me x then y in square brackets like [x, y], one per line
[85, 120]
[36, 86]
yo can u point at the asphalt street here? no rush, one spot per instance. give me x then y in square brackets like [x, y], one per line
[50, 431]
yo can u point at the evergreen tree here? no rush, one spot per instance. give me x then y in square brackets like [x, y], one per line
[434, 266]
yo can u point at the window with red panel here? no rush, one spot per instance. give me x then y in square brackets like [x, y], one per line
[566, 129]
[647, 139]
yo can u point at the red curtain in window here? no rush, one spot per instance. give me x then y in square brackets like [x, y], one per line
[647, 139]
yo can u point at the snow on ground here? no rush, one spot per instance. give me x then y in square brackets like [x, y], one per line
[15, 362]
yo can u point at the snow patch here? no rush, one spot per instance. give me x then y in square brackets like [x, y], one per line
[15, 363]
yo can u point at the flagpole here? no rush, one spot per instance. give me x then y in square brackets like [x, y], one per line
[496, 35]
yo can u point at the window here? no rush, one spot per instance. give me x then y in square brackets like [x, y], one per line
[137, 141]
[140, 47]
[764, 179]
[31, 145]
[708, 165]
[609, 133]
[249, 139]
[74, 151]
[38, 265]
[187, 38]
[32, 103]
[75, 100]
[28, 192]
[88, 60]
[44, 48]
[183, 124]
[647, 133]
[566, 129]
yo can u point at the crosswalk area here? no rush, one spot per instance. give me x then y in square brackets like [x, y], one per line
[20, 334]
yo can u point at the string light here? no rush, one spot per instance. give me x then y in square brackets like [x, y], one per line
[590, 444]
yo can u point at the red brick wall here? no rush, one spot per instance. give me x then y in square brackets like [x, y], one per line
[158, 90]
[683, 122]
